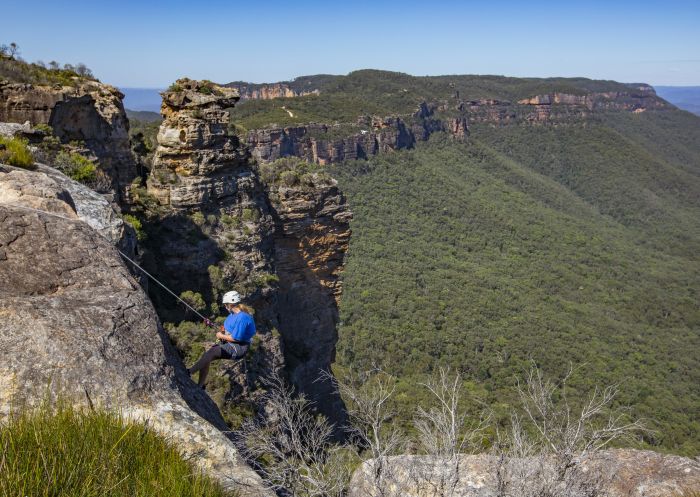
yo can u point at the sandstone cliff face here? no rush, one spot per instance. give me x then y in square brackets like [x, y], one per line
[90, 112]
[196, 160]
[317, 142]
[75, 324]
[623, 473]
[252, 234]
[268, 91]
[310, 240]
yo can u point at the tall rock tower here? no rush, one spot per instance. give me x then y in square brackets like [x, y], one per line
[221, 227]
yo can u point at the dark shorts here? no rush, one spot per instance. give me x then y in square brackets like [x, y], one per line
[233, 350]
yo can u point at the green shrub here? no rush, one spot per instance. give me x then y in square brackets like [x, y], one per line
[194, 299]
[230, 220]
[14, 151]
[197, 218]
[44, 128]
[175, 88]
[289, 178]
[265, 279]
[63, 451]
[76, 167]
[137, 225]
[250, 215]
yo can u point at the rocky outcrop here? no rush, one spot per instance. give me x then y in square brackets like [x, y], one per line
[282, 247]
[251, 91]
[622, 473]
[196, 159]
[75, 325]
[326, 144]
[89, 112]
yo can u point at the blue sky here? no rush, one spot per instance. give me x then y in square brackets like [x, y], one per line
[152, 43]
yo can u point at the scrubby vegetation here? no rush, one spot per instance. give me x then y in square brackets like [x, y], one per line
[63, 451]
[14, 69]
[137, 225]
[76, 166]
[539, 453]
[575, 243]
[15, 152]
[291, 171]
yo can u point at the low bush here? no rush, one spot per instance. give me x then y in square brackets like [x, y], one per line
[194, 299]
[14, 151]
[137, 225]
[63, 451]
[76, 167]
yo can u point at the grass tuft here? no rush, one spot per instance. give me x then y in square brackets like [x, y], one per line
[65, 452]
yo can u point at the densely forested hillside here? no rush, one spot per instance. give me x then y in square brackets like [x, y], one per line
[570, 244]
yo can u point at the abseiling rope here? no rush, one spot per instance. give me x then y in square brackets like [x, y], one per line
[120, 253]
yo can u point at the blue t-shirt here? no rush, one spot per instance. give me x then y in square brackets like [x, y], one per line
[240, 326]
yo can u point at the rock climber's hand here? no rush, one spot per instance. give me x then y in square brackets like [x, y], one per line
[220, 336]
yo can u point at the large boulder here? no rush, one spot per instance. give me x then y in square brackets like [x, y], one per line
[623, 473]
[74, 324]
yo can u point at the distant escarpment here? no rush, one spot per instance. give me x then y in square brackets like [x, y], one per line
[89, 114]
[332, 143]
[264, 91]
[324, 143]
[215, 223]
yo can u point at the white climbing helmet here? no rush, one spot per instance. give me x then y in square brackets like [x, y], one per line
[232, 297]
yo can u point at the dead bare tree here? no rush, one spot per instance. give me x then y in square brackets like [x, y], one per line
[445, 434]
[547, 458]
[293, 446]
[367, 397]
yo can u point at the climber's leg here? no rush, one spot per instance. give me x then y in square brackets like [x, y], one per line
[202, 365]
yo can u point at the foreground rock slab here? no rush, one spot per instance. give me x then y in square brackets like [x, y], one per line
[626, 473]
[74, 324]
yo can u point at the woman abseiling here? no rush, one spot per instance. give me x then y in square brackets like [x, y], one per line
[234, 337]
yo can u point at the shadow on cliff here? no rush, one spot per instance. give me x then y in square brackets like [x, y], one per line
[179, 253]
[307, 316]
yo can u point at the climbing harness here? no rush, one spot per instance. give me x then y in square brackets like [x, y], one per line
[206, 321]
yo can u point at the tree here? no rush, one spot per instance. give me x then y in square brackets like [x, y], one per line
[446, 434]
[292, 447]
[54, 66]
[547, 457]
[83, 70]
[13, 50]
[367, 397]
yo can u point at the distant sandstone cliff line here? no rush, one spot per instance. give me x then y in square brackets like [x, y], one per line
[251, 91]
[326, 143]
